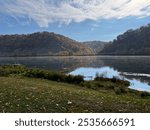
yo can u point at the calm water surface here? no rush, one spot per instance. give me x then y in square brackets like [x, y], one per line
[135, 69]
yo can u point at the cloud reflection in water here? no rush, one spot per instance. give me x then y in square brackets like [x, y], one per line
[109, 72]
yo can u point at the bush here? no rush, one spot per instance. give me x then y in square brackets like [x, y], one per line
[86, 84]
[39, 73]
[69, 78]
[114, 80]
[145, 94]
[78, 79]
[74, 79]
[123, 90]
[117, 90]
[99, 85]
[7, 70]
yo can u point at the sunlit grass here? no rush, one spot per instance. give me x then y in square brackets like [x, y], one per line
[22, 94]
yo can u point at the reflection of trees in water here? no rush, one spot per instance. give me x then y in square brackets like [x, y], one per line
[128, 64]
[52, 63]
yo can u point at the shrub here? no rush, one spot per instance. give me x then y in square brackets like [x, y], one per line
[7, 70]
[78, 79]
[117, 90]
[111, 87]
[114, 80]
[39, 73]
[145, 94]
[86, 84]
[99, 85]
[69, 78]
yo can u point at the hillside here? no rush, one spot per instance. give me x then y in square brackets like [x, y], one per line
[41, 44]
[132, 42]
[97, 46]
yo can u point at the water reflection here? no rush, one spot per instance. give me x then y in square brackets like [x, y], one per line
[90, 73]
[134, 64]
[138, 85]
[58, 63]
[109, 72]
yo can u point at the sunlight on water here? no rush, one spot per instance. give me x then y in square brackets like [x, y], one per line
[108, 72]
[138, 85]
[90, 73]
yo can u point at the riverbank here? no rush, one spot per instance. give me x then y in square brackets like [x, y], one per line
[34, 90]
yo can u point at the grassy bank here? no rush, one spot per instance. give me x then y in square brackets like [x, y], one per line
[34, 90]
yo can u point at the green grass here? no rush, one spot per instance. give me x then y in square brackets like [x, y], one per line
[23, 94]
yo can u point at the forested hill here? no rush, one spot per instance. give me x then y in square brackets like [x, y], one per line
[41, 44]
[132, 42]
[97, 46]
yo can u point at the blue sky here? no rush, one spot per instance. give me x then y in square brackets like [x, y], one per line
[82, 20]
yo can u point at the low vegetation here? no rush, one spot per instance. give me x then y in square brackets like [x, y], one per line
[18, 70]
[35, 90]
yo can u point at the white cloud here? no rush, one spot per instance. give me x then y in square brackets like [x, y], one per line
[66, 11]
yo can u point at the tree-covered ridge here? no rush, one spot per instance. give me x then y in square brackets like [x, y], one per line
[40, 44]
[97, 46]
[131, 42]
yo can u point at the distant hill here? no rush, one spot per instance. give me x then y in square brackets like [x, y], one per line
[97, 46]
[132, 42]
[41, 44]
